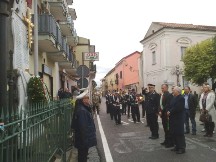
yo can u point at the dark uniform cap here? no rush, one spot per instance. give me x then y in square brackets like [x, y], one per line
[151, 85]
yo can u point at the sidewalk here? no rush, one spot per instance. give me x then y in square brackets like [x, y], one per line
[92, 157]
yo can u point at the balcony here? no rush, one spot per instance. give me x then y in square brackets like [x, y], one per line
[73, 40]
[67, 27]
[72, 13]
[69, 2]
[47, 33]
[66, 63]
[58, 8]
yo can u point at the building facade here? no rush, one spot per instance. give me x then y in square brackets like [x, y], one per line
[163, 49]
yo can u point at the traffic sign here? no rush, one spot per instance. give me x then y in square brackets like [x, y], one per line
[82, 83]
[82, 71]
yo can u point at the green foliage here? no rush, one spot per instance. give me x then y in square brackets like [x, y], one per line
[35, 90]
[200, 62]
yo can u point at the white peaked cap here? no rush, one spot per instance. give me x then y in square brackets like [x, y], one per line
[83, 89]
[85, 93]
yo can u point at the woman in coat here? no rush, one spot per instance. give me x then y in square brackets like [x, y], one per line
[176, 117]
[206, 104]
[84, 127]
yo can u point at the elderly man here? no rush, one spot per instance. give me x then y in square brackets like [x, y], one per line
[176, 117]
[84, 127]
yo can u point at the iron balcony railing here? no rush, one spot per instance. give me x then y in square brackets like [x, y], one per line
[36, 133]
[59, 37]
[70, 56]
[47, 25]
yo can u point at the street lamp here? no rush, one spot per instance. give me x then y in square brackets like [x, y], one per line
[177, 71]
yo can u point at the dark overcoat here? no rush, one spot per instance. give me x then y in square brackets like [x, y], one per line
[84, 127]
[177, 115]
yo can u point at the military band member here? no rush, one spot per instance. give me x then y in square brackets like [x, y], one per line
[117, 101]
[96, 102]
[135, 106]
[152, 102]
[124, 102]
[107, 102]
[111, 105]
[128, 103]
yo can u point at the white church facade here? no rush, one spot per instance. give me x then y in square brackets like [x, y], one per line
[163, 48]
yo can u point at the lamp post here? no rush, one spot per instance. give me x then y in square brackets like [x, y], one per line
[177, 71]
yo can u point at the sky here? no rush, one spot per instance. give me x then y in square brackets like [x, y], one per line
[116, 27]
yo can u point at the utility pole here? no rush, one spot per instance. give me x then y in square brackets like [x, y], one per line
[4, 14]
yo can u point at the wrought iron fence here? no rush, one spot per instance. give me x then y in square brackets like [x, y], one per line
[37, 133]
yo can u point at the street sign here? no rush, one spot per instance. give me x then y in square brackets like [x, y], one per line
[82, 83]
[82, 71]
[91, 56]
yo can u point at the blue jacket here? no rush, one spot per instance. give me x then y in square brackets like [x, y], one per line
[177, 115]
[84, 127]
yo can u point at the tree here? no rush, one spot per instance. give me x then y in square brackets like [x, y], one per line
[35, 90]
[200, 62]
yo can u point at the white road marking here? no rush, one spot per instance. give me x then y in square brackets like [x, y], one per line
[124, 123]
[107, 152]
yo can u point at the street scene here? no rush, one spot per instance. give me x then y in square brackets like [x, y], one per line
[107, 81]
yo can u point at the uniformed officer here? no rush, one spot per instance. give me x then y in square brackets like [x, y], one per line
[152, 103]
[117, 101]
[134, 106]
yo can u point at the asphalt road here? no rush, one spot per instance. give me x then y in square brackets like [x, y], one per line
[129, 143]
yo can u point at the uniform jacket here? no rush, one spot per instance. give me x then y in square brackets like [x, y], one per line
[152, 102]
[192, 104]
[84, 127]
[177, 115]
[133, 100]
[117, 100]
[209, 104]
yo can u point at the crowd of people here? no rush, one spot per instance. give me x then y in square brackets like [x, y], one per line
[175, 110]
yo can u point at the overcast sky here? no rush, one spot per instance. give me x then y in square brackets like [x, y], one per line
[116, 27]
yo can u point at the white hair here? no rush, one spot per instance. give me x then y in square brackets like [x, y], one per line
[178, 89]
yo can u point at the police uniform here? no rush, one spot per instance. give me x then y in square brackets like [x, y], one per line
[111, 106]
[134, 107]
[152, 103]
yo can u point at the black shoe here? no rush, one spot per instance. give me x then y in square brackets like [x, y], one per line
[174, 149]
[180, 151]
[169, 146]
[186, 132]
[163, 143]
[194, 133]
[153, 137]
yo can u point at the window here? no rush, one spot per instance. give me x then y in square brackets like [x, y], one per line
[153, 58]
[120, 74]
[183, 52]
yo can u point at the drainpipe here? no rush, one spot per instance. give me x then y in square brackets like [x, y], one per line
[4, 5]
[35, 38]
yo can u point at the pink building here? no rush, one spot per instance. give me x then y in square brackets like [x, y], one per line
[127, 73]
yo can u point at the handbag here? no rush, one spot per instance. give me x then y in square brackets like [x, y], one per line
[205, 117]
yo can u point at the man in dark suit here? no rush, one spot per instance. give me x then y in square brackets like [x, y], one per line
[176, 117]
[152, 102]
[165, 100]
[190, 110]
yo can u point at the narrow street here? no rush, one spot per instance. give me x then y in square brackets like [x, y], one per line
[129, 143]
